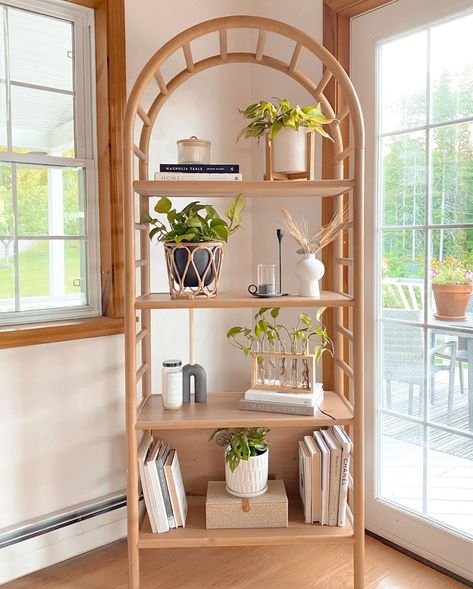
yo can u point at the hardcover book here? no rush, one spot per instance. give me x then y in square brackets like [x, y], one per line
[155, 489]
[316, 478]
[271, 407]
[308, 399]
[346, 445]
[335, 470]
[325, 469]
[186, 176]
[172, 470]
[305, 481]
[201, 168]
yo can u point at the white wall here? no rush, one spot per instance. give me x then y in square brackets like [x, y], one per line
[61, 405]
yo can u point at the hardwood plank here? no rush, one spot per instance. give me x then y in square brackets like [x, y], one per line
[240, 300]
[260, 188]
[222, 410]
[275, 567]
[196, 535]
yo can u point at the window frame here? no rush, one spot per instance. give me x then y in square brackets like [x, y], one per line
[110, 67]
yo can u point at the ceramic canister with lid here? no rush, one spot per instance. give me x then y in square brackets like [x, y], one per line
[193, 151]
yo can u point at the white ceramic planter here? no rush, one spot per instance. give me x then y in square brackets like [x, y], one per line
[309, 271]
[250, 477]
[290, 151]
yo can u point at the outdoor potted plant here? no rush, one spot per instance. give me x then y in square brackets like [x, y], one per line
[193, 243]
[246, 459]
[283, 357]
[452, 284]
[286, 127]
[309, 270]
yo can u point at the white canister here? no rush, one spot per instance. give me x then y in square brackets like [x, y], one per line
[172, 384]
[193, 151]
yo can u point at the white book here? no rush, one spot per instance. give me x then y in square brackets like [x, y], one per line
[346, 444]
[143, 449]
[195, 177]
[325, 470]
[305, 481]
[172, 470]
[335, 472]
[155, 488]
[309, 399]
[316, 456]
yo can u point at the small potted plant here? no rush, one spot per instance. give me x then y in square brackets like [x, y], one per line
[309, 270]
[246, 459]
[283, 357]
[193, 243]
[286, 127]
[452, 284]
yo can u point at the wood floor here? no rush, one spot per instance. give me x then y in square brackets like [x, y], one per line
[277, 567]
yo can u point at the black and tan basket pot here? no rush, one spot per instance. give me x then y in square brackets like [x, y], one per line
[193, 268]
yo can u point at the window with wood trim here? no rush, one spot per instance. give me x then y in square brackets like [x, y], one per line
[49, 254]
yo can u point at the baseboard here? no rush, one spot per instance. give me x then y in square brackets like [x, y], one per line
[46, 549]
[433, 561]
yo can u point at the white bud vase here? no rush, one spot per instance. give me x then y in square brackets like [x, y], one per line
[309, 271]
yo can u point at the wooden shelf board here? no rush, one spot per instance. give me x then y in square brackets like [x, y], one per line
[240, 300]
[196, 535]
[260, 188]
[222, 411]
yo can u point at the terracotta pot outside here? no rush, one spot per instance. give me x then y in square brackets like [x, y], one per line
[451, 300]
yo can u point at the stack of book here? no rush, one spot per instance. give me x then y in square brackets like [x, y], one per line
[289, 403]
[161, 481]
[196, 172]
[324, 466]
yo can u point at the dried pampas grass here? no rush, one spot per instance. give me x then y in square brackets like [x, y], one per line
[299, 230]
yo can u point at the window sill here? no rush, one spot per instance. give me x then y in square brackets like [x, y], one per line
[13, 336]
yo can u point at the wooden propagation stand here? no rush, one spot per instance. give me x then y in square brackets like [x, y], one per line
[188, 429]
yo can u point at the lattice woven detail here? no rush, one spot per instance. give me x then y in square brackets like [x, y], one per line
[193, 269]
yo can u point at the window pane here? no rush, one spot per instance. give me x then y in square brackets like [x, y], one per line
[450, 476]
[402, 367]
[451, 376]
[41, 49]
[452, 173]
[42, 121]
[7, 276]
[403, 89]
[401, 462]
[52, 273]
[451, 66]
[403, 274]
[51, 201]
[404, 163]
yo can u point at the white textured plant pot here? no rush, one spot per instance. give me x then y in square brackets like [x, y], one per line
[250, 477]
[290, 151]
[309, 271]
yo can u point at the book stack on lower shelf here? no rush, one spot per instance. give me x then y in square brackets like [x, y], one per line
[198, 172]
[324, 465]
[290, 403]
[161, 481]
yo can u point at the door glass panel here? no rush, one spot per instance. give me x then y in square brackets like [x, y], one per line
[401, 462]
[404, 179]
[403, 274]
[403, 91]
[451, 70]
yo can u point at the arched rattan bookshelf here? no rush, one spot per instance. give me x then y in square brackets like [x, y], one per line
[346, 402]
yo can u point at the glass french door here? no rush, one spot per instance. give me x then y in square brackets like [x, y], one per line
[412, 64]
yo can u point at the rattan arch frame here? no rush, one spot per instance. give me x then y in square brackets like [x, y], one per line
[348, 333]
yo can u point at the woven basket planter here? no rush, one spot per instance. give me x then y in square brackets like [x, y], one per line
[193, 269]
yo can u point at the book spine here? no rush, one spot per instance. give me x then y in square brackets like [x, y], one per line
[302, 399]
[201, 168]
[335, 460]
[342, 504]
[266, 407]
[165, 492]
[176, 176]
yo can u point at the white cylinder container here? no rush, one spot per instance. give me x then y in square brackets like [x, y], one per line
[250, 478]
[309, 271]
[172, 384]
[290, 151]
[193, 151]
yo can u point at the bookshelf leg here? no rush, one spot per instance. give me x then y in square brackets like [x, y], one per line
[359, 564]
[133, 565]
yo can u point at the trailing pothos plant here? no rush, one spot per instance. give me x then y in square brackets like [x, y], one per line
[241, 443]
[196, 222]
[266, 117]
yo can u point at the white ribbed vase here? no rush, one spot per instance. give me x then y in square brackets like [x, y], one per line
[250, 477]
[309, 271]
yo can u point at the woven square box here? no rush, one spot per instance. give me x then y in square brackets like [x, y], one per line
[223, 510]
